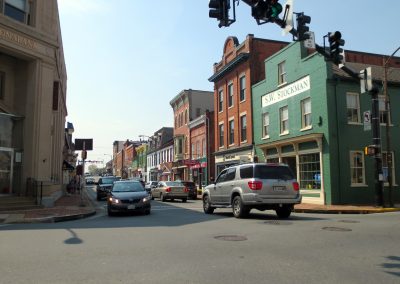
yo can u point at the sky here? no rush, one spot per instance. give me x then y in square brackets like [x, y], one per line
[127, 59]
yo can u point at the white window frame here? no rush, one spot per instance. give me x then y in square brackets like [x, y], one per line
[221, 145]
[242, 88]
[231, 103]
[304, 114]
[352, 166]
[282, 73]
[357, 108]
[265, 126]
[220, 100]
[284, 122]
[241, 128]
[229, 132]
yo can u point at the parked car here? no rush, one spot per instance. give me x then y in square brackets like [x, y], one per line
[90, 180]
[151, 184]
[139, 180]
[191, 186]
[104, 186]
[128, 196]
[170, 190]
[260, 186]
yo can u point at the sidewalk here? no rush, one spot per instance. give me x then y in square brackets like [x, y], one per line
[73, 207]
[66, 208]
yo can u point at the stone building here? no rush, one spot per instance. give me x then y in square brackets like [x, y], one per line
[33, 105]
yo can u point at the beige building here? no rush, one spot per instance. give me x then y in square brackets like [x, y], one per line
[32, 100]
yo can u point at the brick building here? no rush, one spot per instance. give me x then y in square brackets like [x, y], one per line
[202, 145]
[187, 105]
[241, 67]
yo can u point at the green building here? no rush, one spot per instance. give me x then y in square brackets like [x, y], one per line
[309, 114]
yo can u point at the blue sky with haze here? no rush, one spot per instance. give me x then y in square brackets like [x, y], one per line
[126, 59]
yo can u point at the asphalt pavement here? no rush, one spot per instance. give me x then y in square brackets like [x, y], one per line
[76, 206]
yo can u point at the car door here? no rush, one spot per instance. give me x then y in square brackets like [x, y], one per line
[216, 192]
[228, 185]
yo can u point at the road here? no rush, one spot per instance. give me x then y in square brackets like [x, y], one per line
[178, 243]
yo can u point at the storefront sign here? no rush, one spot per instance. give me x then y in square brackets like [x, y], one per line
[15, 38]
[291, 90]
[190, 162]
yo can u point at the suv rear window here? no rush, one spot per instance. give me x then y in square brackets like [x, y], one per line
[266, 172]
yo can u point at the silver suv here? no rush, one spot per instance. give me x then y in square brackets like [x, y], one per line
[255, 185]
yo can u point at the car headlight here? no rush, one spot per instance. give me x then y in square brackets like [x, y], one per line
[145, 199]
[114, 200]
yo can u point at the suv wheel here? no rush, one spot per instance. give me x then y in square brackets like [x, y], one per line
[208, 209]
[239, 210]
[283, 212]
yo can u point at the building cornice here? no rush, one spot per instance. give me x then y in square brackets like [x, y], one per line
[229, 67]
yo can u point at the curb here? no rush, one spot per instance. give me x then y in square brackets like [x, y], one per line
[347, 211]
[53, 219]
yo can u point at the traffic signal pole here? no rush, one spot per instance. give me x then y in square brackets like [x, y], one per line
[376, 139]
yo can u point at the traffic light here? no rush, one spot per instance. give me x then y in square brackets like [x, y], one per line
[84, 154]
[302, 28]
[335, 47]
[370, 150]
[219, 9]
[265, 10]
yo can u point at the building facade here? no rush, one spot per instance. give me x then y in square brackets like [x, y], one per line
[309, 115]
[187, 105]
[32, 98]
[202, 145]
[160, 152]
[241, 67]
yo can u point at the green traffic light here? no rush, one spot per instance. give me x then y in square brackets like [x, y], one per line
[276, 9]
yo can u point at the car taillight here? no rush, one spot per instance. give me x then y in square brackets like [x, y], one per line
[168, 189]
[296, 186]
[255, 185]
[186, 189]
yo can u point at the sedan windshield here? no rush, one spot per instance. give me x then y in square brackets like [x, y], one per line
[128, 187]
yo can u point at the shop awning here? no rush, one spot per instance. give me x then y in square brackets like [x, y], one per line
[68, 166]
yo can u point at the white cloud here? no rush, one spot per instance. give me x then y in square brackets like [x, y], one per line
[82, 6]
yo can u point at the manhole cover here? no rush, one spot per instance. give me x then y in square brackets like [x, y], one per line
[336, 229]
[232, 238]
[277, 222]
[349, 221]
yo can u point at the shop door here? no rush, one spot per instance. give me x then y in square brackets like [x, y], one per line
[291, 162]
[6, 166]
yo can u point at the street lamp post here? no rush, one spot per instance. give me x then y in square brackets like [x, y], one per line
[389, 158]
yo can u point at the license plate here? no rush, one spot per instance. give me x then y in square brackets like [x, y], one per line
[279, 188]
[131, 206]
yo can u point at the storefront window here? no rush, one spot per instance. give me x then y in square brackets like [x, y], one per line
[310, 171]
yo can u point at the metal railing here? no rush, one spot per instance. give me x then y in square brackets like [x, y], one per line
[34, 189]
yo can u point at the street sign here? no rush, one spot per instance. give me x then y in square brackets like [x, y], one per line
[310, 42]
[84, 144]
[367, 120]
[366, 80]
[289, 20]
